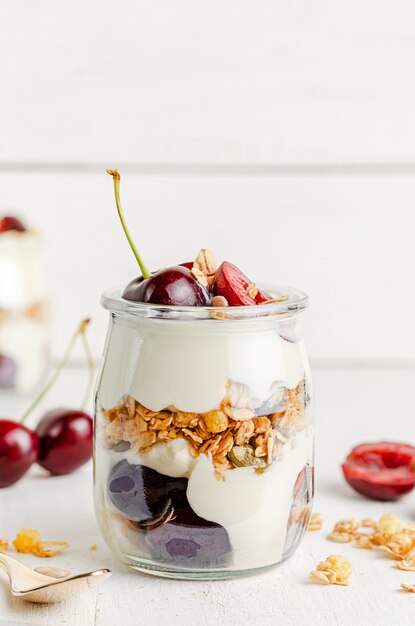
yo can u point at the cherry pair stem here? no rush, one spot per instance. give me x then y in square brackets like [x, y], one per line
[80, 332]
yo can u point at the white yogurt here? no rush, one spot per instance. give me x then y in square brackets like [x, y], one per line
[22, 272]
[187, 364]
[253, 508]
[23, 338]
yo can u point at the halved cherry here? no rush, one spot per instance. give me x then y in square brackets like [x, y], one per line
[9, 222]
[381, 470]
[231, 283]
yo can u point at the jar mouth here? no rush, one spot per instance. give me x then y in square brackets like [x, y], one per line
[295, 302]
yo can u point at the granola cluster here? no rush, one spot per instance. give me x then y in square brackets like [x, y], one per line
[28, 541]
[334, 570]
[241, 432]
[387, 535]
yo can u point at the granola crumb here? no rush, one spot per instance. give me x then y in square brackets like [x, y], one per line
[409, 588]
[315, 523]
[3, 545]
[28, 541]
[335, 570]
[93, 547]
[252, 290]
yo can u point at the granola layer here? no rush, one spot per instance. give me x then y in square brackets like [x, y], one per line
[235, 434]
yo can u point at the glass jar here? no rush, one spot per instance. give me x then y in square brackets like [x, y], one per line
[203, 437]
[24, 329]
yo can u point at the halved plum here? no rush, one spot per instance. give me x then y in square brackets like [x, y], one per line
[231, 283]
[381, 470]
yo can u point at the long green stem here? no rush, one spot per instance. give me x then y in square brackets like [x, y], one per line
[116, 177]
[91, 368]
[80, 331]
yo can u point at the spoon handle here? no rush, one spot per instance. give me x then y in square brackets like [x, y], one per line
[6, 564]
[22, 577]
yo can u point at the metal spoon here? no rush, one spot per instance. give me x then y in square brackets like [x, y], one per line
[35, 587]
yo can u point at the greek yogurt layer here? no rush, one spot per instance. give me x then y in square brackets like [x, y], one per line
[155, 361]
[253, 508]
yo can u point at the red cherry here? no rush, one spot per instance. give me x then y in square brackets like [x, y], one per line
[172, 286]
[18, 450]
[231, 283]
[11, 223]
[65, 440]
[381, 471]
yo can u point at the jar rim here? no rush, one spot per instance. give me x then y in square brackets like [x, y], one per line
[295, 302]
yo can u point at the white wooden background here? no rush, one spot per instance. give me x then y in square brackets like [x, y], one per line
[282, 135]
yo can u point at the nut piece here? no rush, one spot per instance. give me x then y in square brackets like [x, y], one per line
[216, 421]
[410, 588]
[219, 301]
[252, 290]
[244, 456]
[204, 268]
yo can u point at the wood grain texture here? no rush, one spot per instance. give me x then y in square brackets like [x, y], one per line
[352, 406]
[347, 241]
[263, 82]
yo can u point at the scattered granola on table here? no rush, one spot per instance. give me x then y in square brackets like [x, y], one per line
[28, 541]
[387, 535]
[335, 570]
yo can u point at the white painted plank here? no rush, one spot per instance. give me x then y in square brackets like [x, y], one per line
[351, 407]
[346, 241]
[263, 82]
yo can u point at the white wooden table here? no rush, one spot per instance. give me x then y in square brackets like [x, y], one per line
[351, 406]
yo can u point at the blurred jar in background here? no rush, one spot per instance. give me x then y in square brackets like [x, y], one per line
[23, 307]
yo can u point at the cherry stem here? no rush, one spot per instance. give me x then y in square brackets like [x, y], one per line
[91, 369]
[80, 331]
[143, 267]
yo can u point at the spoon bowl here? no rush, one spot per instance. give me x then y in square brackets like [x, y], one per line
[32, 586]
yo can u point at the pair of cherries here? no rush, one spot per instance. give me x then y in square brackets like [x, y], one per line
[62, 440]
[61, 443]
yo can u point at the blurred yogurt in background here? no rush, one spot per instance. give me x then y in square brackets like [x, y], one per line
[23, 307]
